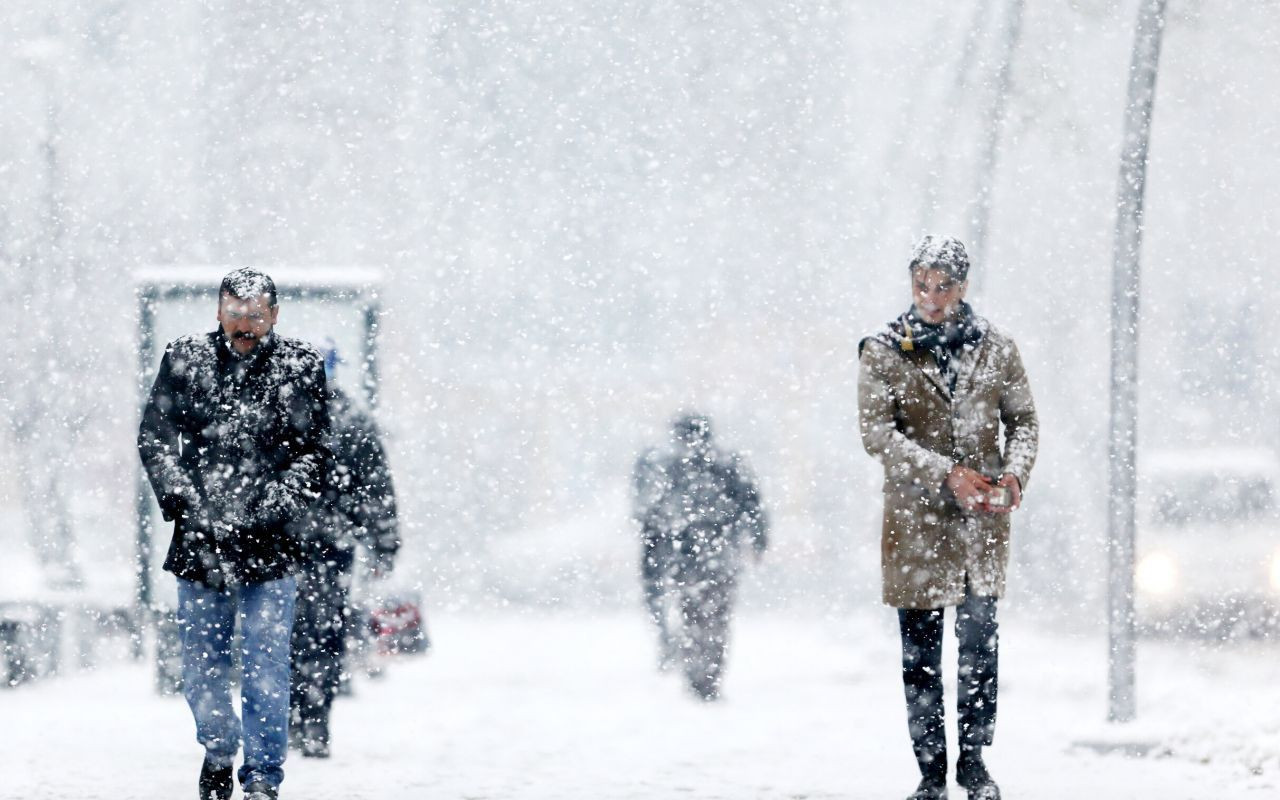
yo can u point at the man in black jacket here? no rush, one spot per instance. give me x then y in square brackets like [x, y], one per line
[233, 438]
[358, 505]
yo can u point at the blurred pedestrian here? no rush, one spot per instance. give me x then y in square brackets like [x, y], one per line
[233, 440]
[358, 505]
[945, 406]
[696, 506]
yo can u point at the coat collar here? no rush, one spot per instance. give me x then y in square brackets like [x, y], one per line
[965, 363]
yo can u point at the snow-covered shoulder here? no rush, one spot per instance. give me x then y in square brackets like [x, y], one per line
[296, 354]
[196, 352]
[996, 336]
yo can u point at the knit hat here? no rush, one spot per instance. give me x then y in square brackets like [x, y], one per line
[941, 252]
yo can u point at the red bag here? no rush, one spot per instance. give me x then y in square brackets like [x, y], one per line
[397, 625]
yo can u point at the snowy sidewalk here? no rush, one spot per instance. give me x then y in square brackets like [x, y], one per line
[540, 706]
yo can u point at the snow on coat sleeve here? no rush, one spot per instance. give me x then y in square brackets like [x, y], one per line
[369, 497]
[159, 448]
[1018, 415]
[880, 435]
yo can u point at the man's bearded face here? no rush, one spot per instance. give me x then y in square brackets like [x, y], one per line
[246, 322]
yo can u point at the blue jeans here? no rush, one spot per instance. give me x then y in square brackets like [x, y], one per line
[206, 619]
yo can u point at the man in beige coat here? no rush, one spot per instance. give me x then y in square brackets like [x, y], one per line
[945, 406]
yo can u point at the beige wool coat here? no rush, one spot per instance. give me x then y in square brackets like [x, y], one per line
[913, 424]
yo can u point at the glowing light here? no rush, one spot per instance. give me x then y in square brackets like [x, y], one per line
[1157, 574]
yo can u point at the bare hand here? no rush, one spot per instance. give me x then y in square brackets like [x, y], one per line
[969, 486]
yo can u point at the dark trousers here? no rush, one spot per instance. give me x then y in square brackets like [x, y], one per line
[319, 635]
[977, 640]
[706, 608]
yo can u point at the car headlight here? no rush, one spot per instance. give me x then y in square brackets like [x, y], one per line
[1157, 573]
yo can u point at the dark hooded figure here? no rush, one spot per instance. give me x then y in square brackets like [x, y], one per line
[357, 505]
[234, 438]
[944, 404]
[696, 506]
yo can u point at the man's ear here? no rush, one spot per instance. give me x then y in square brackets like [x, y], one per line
[275, 314]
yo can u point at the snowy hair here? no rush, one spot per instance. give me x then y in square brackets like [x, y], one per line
[247, 283]
[946, 253]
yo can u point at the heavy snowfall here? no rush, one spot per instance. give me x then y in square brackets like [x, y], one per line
[525, 236]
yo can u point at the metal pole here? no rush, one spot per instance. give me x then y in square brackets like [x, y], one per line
[146, 360]
[1124, 356]
[980, 216]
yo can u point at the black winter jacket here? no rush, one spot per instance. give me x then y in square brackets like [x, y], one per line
[235, 447]
[358, 501]
[700, 491]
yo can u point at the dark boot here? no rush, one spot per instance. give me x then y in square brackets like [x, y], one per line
[261, 790]
[707, 689]
[295, 728]
[315, 735]
[931, 788]
[215, 781]
[972, 774]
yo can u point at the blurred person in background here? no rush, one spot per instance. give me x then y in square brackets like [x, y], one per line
[696, 506]
[234, 441]
[356, 506]
[936, 387]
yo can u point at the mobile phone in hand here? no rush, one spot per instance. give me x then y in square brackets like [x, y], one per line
[1000, 497]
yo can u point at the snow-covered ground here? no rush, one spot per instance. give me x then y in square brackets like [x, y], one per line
[571, 706]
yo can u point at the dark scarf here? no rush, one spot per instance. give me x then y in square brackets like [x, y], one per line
[909, 333]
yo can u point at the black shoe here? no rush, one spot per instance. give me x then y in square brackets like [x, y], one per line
[930, 789]
[215, 781]
[972, 774]
[707, 689]
[315, 739]
[261, 790]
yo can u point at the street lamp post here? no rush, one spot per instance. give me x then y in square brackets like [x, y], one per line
[1124, 357]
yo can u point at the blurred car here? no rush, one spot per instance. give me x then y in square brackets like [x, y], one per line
[1208, 542]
